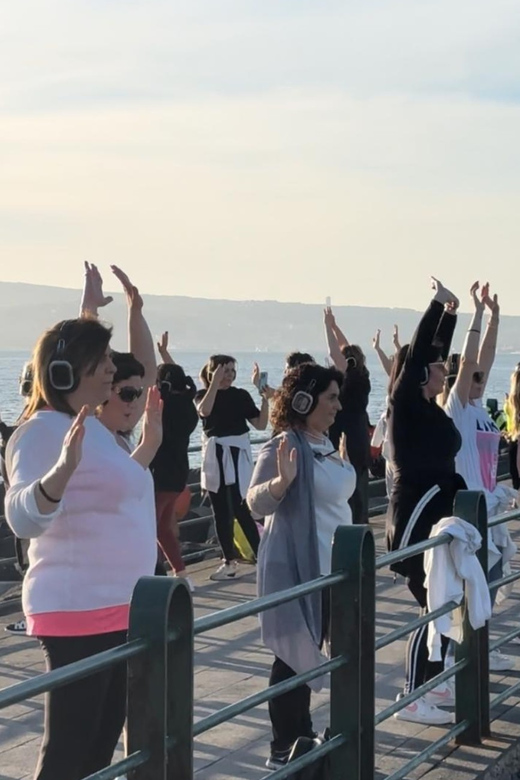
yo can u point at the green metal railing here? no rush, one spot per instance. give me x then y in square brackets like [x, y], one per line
[160, 650]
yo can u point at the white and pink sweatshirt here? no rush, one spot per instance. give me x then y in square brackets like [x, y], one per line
[86, 557]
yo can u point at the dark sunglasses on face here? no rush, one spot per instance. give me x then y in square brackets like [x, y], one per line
[129, 394]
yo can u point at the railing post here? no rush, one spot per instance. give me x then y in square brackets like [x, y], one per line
[154, 704]
[353, 635]
[472, 683]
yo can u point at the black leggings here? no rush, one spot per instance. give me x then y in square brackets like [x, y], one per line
[227, 505]
[290, 713]
[83, 720]
[418, 668]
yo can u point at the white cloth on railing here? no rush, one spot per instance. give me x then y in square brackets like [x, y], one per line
[210, 471]
[507, 549]
[448, 568]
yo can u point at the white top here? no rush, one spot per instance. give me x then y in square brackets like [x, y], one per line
[334, 483]
[90, 552]
[477, 459]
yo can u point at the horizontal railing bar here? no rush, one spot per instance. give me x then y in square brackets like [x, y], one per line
[503, 640]
[414, 549]
[66, 674]
[232, 614]
[420, 691]
[513, 577]
[249, 703]
[122, 767]
[309, 758]
[399, 633]
[514, 514]
[501, 697]
[425, 754]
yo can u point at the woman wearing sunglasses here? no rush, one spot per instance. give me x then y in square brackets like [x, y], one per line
[477, 459]
[227, 462]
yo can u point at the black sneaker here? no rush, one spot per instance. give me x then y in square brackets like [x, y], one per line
[17, 628]
[278, 758]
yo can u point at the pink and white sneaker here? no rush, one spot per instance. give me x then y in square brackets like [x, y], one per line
[442, 696]
[420, 711]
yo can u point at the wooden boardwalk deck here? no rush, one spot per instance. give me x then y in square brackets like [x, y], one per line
[231, 663]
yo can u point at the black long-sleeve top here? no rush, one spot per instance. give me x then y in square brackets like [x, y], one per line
[424, 440]
[353, 417]
[170, 467]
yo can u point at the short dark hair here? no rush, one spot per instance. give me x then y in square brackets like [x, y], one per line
[85, 343]
[213, 362]
[294, 359]
[307, 377]
[126, 366]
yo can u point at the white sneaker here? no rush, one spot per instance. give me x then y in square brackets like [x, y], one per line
[442, 696]
[421, 712]
[227, 571]
[499, 662]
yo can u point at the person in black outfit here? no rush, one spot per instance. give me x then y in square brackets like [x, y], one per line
[352, 420]
[170, 467]
[424, 442]
[227, 463]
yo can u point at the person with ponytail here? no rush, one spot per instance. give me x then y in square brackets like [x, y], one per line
[424, 443]
[170, 467]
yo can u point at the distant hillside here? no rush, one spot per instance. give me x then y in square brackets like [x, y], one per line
[211, 325]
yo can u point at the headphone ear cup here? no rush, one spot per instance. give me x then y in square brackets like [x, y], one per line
[426, 377]
[302, 402]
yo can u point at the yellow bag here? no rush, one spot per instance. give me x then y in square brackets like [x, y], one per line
[241, 543]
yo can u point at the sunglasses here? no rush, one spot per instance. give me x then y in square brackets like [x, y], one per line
[129, 394]
[478, 377]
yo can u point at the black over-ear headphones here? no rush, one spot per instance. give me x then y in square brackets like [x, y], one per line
[60, 371]
[426, 377]
[303, 401]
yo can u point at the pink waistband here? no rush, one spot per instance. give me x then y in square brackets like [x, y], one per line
[85, 623]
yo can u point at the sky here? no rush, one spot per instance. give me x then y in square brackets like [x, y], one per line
[263, 149]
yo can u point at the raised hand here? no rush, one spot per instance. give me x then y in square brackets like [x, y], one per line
[255, 377]
[477, 302]
[217, 376]
[93, 297]
[162, 345]
[328, 317]
[376, 340]
[491, 303]
[133, 297]
[444, 296]
[72, 448]
[152, 420]
[395, 338]
[287, 462]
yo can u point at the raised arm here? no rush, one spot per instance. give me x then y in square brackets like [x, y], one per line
[260, 422]
[275, 471]
[140, 341]
[469, 364]
[205, 405]
[162, 348]
[417, 357]
[488, 347]
[381, 354]
[333, 345]
[92, 297]
[152, 436]
[395, 340]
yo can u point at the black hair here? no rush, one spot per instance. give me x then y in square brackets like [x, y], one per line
[294, 359]
[172, 379]
[126, 366]
[309, 378]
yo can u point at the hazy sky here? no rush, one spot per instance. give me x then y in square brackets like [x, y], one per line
[287, 149]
